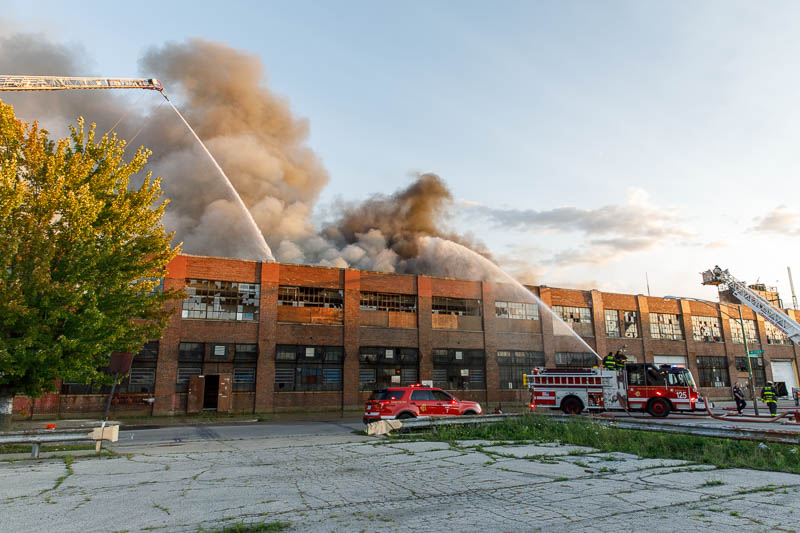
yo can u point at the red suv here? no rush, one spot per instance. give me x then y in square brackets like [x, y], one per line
[414, 402]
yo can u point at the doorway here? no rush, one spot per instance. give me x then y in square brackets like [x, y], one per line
[783, 372]
[211, 392]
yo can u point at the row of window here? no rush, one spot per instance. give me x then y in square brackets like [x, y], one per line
[318, 368]
[226, 300]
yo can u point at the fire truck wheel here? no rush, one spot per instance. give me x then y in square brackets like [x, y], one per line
[404, 415]
[658, 407]
[572, 405]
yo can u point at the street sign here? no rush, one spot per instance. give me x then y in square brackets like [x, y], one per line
[756, 352]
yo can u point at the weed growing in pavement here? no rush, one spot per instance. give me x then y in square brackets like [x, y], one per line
[723, 453]
[258, 527]
[713, 483]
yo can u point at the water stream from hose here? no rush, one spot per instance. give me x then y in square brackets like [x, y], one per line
[450, 259]
[262, 251]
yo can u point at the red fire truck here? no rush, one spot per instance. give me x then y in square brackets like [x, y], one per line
[639, 387]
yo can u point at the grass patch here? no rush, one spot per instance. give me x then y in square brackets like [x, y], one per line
[722, 453]
[256, 527]
[26, 448]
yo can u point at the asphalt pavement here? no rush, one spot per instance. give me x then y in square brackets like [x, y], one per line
[322, 477]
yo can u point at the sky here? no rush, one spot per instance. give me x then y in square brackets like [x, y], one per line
[586, 144]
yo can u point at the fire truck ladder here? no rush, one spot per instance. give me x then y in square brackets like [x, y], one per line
[60, 83]
[754, 301]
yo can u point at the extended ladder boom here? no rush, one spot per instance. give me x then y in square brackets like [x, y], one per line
[60, 83]
[754, 301]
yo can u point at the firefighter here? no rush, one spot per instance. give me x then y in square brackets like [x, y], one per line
[770, 397]
[609, 362]
[620, 359]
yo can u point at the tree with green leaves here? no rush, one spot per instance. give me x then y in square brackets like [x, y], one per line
[82, 249]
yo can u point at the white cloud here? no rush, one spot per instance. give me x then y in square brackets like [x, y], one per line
[781, 220]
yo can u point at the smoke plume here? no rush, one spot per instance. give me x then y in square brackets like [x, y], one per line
[262, 146]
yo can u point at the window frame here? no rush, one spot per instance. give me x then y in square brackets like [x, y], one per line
[661, 329]
[302, 296]
[445, 305]
[774, 334]
[449, 367]
[579, 319]
[403, 362]
[387, 301]
[221, 300]
[323, 364]
[511, 364]
[517, 310]
[750, 328]
[576, 360]
[711, 367]
[711, 324]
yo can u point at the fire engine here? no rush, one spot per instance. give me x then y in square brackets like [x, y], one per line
[639, 387]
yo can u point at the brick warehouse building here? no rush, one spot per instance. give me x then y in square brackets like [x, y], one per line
[266, 337]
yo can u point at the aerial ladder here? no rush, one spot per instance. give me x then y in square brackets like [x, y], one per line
[61, 83]
[753, 300]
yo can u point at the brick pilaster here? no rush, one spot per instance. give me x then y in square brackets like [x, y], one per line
[424, 320]
[267, 329]
[352, 305]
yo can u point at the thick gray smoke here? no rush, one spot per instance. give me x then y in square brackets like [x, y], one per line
[254, 136]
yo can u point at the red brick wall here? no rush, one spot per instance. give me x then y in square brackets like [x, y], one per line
[489, 333]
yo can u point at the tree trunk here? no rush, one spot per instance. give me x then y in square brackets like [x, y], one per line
[6, 408]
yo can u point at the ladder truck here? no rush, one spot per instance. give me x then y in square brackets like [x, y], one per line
[658, 390]
[753, 300]
[61, 83]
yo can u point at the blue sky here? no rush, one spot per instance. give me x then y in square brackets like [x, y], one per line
[678, 120]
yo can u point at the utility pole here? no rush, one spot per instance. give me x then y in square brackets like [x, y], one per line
[791, 284]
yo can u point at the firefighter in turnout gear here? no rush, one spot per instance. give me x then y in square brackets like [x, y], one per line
[770, 397]
[609, 362]
[620, 359]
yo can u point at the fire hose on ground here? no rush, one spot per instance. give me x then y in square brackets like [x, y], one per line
[748, 418]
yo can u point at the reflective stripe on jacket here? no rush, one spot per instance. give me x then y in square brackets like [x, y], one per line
[769, 394]
[609, 362]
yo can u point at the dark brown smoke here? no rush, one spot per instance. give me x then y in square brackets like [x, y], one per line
[255, 138]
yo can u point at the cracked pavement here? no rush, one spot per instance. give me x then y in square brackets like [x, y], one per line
[352, 483]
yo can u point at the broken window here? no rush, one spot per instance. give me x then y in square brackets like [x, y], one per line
[577, 318]
[382, 301]
[310, 297]
[517, 310]
[775, 335]
[749, 328]
[666, 326]
[706, 329]
[221, 300]
[442, 305]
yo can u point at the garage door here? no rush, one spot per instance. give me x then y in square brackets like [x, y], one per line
[677, 360]
[784, 371]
